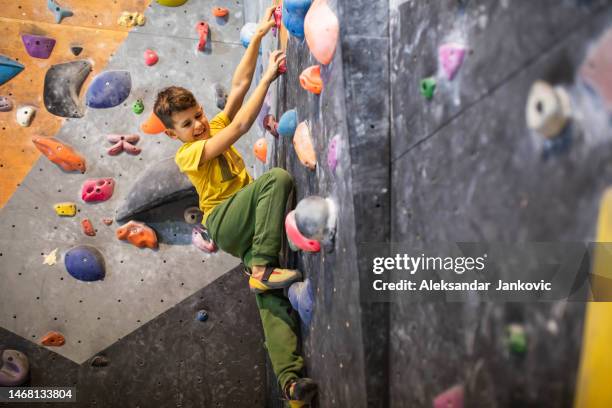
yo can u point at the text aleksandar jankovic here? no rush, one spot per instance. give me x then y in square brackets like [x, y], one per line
[458, 265]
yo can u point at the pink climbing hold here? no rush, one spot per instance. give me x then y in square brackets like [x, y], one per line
[451, 398]
[201, 240]
[150, 57]
[278, 17]
[296, 237]
[321, 29]
[123, 143]
[282, 67]
[97, 189]
[332, 153]
[202, 30]
[450, 57]
[270, 124]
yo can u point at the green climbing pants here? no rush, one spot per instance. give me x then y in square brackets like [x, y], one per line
[249, 225]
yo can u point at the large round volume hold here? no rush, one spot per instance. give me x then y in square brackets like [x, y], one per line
[85, 263]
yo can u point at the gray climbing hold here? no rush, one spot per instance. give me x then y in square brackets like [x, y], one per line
[99, 361]
[63, 84]
[5, 104]
[14, 368]
[59, 12]
[316, 218]
[159, 183]
[220, 96]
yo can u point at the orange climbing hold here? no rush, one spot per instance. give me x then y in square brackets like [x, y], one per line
[53, 339]
[60, 153]
[138, 234]
[310, 79]
[153, 125]
[302, 142]
[88, 228]
[261, 149]
[321, 30]
[220, 11]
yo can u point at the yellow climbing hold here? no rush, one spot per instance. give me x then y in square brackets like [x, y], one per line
[128, 19]
[172, 3]
[65, 209]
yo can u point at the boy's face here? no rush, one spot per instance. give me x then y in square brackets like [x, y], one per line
[190, 125]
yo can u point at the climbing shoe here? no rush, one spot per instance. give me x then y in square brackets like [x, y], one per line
[300, 391]
[274, 278]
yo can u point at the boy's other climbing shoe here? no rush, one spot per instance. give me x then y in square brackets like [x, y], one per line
[300, 392]
[274, 278]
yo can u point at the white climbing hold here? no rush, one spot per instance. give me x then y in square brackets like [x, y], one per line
[548, 109]
[24, 115]
[50, 258]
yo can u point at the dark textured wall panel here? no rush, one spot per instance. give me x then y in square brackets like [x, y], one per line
[481, 176]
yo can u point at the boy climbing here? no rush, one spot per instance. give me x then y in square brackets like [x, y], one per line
[243, 216]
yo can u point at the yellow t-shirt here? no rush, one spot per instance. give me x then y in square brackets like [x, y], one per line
[217, 179]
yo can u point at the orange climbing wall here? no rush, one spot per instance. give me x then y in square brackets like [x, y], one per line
[93, 27]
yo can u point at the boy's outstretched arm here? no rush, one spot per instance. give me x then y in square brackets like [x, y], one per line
[241, 81]
[246, 115]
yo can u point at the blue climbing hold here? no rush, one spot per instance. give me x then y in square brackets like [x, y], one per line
[302, 300]
[85, 263]
[246, 33]
[59, 12]
[294, 12]
[8, 69]
[109, 89]
[288, 123]
[202, 316]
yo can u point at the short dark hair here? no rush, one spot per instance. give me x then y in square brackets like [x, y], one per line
[170, 100]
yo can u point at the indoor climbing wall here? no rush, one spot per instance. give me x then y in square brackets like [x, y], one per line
[474, 159]
[101, 75]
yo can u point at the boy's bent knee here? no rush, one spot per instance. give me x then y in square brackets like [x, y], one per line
[281, 177]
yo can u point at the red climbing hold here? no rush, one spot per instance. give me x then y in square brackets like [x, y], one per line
[53, 339]
[97, 189]
[202, 30]
[282, 67]
[451, 398]
[310, 79]
[278, 16]
[296, 237]
[138, 234]
[220, 11]
[88, 228]
[123, 143]
[60, 153]
[150, 57]
[270, 124]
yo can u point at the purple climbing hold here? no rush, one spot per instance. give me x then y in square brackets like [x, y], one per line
[5, 104]
[63, 84]
[14, 368]
[38, 46]
[85, 263]
[302, 299]
[333, 151]
[450, 57]
[109, 89]
[9, 69]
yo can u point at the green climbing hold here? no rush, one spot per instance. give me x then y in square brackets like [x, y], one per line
[516, 339]
[428, 87]
[138, 107]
